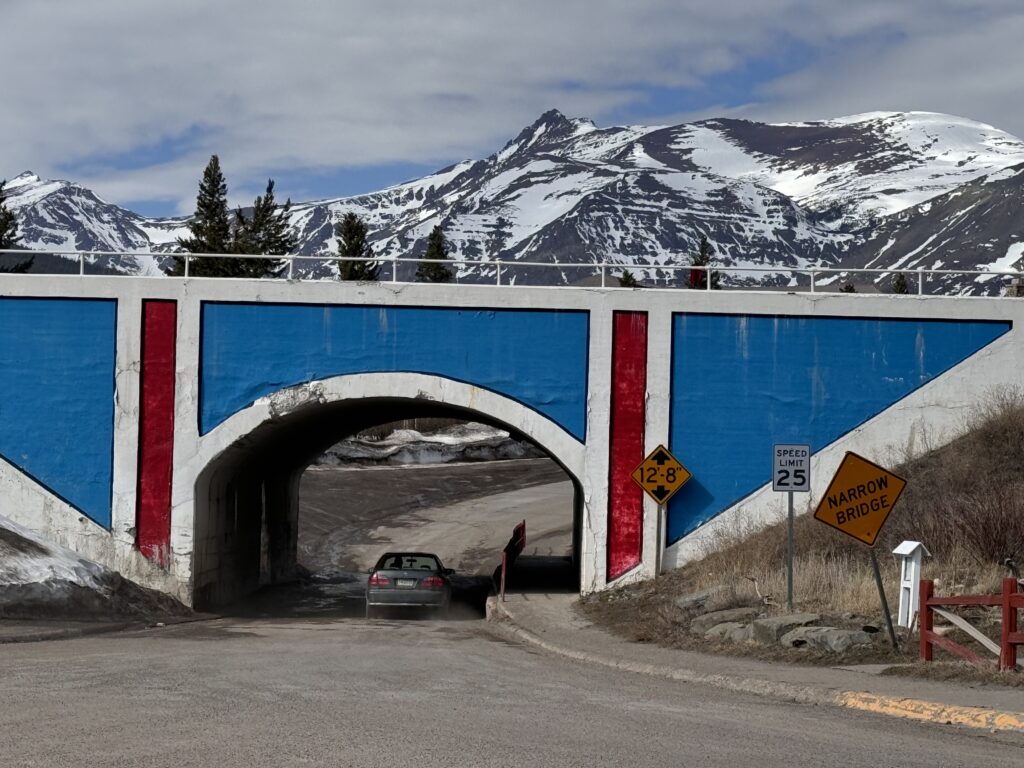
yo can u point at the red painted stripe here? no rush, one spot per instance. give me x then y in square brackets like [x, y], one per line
[156, 429]
[626, 441]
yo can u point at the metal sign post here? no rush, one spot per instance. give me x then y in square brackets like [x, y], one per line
[791, 473]
[857, 502]
[881, 595]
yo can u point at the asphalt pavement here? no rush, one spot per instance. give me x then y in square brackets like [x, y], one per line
[350, 692]
[550, 621]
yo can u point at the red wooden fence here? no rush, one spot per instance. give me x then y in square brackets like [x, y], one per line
[512, 550]
[1011, 600]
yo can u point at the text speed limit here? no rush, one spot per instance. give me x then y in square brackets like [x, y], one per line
[791, 468]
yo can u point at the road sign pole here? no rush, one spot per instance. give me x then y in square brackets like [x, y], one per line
[789, 557]
[660, 540]
[881, 595]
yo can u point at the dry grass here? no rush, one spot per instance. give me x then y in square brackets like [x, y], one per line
[965, 501]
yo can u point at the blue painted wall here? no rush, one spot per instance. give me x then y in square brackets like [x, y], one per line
[536, 357]
[742, 383]
[57, 396]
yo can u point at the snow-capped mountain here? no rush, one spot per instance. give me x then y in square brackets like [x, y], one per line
[881, 190]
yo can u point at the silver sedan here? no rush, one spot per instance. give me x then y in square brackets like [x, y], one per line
[409, 580]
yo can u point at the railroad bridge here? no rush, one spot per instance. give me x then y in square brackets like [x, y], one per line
[160, 425]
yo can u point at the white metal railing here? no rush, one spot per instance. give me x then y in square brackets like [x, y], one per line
[477, 268]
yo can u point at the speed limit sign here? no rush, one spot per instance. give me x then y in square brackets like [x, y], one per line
[791, 468]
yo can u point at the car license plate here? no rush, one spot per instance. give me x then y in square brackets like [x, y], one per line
[405, 583]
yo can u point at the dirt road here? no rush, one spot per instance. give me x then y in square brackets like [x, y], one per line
[464, 513]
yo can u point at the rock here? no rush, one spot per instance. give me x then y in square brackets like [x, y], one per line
[870, 628]
[768, 630]
[723, 630]
[825, 638]
[741, 634]
[697, 600]
[703, 623]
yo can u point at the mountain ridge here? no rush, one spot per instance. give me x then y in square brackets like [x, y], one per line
[768, 196]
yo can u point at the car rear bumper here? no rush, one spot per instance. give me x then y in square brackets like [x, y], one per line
[406, 597]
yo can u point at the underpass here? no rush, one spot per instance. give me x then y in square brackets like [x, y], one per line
[464, 513]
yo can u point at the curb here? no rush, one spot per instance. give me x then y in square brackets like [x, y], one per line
[891, 706]
[64, 634]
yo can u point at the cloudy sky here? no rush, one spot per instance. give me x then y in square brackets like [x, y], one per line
[337, 97]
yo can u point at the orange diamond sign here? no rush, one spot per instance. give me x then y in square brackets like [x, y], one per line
[661, 474]
[859, 498]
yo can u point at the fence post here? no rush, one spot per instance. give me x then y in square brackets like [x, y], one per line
[925, 618]
[81, 263]
[187, 260]
[1008, 654]
[707, 275]
[920, 281]
[602, 275]
[291, 267]
[504, 568]
[497, 273]
[813, 275]
[394, 270]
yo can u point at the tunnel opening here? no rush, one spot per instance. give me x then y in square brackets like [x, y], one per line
[275, 524]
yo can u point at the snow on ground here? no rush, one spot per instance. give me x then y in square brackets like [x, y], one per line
[39, 579]
[405, 447]
[26, 558]
[1006, 263]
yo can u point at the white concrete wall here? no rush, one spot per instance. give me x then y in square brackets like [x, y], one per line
[936, 409]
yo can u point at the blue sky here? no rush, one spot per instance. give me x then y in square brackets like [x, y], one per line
[333, 98]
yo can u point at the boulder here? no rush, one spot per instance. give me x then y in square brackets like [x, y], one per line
[703, 623]
[825, 638]
[696, 601]
[741, 634]
[723, 630]
[767, 631]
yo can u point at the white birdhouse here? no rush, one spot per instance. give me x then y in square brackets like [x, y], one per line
[910, 554]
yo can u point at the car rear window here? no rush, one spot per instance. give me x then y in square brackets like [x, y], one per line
[408, 563]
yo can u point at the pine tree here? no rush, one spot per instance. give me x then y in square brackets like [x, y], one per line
[627, 280]
[699, 277]
[434, 271]
[211, 229]
[353, 244]
[899, 284]
[8, 221]
[9, 234]
[265, 232]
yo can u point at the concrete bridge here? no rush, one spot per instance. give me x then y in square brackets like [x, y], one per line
[160, 425]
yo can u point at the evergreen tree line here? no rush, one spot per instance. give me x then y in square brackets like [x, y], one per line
[214, 230]
[265, 232]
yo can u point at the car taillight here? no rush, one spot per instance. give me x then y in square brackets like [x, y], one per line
[377, 580]
[433, 582]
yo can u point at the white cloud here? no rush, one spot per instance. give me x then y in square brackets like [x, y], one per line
[323, 84]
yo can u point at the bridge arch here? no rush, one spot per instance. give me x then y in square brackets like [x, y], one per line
[247, 469]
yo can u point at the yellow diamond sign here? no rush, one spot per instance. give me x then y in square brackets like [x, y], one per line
[661, 474]
[859, 498]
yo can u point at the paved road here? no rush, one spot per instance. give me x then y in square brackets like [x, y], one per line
[300, 692]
